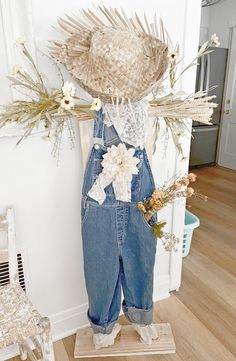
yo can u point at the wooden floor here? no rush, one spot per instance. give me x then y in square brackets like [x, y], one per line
[203, 312]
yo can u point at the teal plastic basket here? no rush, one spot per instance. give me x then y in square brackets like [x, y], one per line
[190, 223]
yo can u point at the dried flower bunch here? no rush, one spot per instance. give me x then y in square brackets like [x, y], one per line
[52, 108]
[180, 188]
[176, 106]
[162, 196]
[169, 240]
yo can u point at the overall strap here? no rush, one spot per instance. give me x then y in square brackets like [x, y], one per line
[103, 134]
[98, 127]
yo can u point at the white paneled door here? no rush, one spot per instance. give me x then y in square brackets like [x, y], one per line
[227, 139]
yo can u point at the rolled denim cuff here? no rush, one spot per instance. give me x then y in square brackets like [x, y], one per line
[138, 315]
[101, 329]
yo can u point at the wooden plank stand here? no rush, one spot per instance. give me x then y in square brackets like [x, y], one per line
[127, 343]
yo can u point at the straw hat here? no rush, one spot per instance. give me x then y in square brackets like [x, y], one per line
[111, 55]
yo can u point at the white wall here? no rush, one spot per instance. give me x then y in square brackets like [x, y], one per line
[219, 18]
[46, 198]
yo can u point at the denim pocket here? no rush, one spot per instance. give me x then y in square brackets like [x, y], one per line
[148, 224]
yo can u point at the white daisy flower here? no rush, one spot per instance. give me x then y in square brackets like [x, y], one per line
[173, 56]
[68, 89]
[20, 42]
[17, 69]
[96, 104]
[215, 40]
[46, 138]
[67, 103]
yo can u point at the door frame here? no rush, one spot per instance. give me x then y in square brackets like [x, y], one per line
[228, 92]
[190, 47]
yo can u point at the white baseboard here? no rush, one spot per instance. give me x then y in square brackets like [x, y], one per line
[161, 288]
[67, 322]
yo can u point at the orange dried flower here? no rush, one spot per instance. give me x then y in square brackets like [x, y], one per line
[177, 186]
[189, 191]
[158, 194]
[141, 207]
[150, 202]
[157, 205]
[192, 177]
[185, 181]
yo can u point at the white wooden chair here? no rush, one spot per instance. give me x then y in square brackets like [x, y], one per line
[20, 322]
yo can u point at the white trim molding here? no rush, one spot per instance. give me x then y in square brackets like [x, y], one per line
[190, 47]
[16, 20]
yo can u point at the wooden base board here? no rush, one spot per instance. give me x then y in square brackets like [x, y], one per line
[127, 343]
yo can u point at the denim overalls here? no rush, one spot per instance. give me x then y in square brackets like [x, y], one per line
[119, 245]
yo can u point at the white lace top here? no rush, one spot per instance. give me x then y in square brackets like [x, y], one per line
[128, 120]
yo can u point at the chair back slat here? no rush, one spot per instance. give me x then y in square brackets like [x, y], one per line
[8, 253]
[3, 222]
[4, 253]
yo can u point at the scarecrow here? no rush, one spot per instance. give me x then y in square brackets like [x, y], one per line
[119, 61]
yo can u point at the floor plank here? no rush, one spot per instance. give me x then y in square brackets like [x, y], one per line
[194, 341]
[208, 287]
[60, 351]
[202, 301]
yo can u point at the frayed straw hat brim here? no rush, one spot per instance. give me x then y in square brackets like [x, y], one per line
[114, 57]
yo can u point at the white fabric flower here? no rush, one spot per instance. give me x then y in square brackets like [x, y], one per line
[17, 69]
[215, 40]
[67, 103]
[68, 89]
[96, 104]
[120, 162]
[119, 165]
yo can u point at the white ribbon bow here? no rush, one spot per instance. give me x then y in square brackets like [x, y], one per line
[119, 165]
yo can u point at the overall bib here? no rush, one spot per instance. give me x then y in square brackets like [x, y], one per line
[119, 245]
